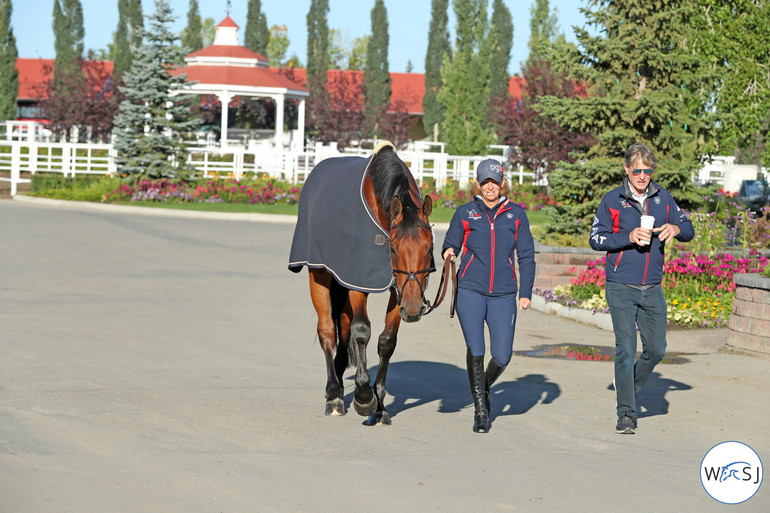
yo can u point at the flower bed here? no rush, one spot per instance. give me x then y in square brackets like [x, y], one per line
[264, 191]
[699, 288]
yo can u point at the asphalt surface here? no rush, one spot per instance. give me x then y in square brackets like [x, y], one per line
[158, 364]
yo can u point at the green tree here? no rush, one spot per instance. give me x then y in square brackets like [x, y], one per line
[125, 36]
[278, 45]
[209, 31]
[438, 46]
[9, 77]
[377, 89]
[734, 37]
[465, 90]
[152, 117]
[502, 29]
[68, 36]
[256, 37]
[192, 35]
[317, 62]
[646, 85]
[357, 54]
[543, 28]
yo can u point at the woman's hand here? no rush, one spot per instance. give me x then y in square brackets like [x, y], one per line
[524, 303]
[449, 254]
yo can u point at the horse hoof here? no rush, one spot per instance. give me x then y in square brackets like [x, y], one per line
[380, 418]
[335, 407]
[365, 409]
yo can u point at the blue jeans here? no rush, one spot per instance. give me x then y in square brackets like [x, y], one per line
[629, 308]
[499, 312]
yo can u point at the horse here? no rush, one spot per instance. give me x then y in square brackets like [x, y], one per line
[397, 255]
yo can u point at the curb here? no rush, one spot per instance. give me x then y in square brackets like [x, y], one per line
[599, 320]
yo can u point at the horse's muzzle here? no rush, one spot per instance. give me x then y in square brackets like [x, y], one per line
[406, 317]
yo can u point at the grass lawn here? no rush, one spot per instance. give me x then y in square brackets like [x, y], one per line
[439, 215]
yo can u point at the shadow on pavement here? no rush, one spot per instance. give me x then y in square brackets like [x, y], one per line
[417, 383]
[651, 400]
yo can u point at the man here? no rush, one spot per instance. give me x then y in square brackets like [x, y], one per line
[634, 270]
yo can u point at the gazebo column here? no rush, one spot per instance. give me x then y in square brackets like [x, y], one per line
[224, 100]
[301, 124]
[279, 100]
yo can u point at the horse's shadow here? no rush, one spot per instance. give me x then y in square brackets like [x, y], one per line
[417, 383]
[651, 399]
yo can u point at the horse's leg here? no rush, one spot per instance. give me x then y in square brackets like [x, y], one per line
[386, 345]
[320, 294]
[364, 400]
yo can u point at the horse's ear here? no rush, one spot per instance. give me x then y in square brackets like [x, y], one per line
[427, 206]
[395, 210]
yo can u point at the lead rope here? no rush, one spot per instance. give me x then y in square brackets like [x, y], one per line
[449, 266]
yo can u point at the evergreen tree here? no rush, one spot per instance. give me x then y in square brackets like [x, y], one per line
[192, 35]
[135, 23]
[317, 62]
[734, 37]
[646, 86]
[438, 45]
[377, 89]
[256, 37]
[465, 90]
[502, 28]
[9, 77]
[151, 117]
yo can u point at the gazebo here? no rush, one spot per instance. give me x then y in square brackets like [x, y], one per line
[226, 70]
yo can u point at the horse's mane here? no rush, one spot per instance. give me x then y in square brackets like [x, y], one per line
[390, 179]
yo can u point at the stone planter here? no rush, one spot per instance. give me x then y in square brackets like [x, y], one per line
[554, 264]
[750, 318]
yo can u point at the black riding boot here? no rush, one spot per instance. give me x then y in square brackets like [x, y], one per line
[476, 380]
[493, 372]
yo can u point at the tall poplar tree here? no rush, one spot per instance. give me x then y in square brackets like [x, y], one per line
[542, 28]
[317, 62]
[377, 89]
[151, 118]
[438, 46]
[256, 36]
[68, 36]
[465, 90]
[646, 85]
[125, 36]
[192, 35]
[9, 77]
[502, 29]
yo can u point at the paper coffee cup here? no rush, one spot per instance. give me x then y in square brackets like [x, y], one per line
[648, 223]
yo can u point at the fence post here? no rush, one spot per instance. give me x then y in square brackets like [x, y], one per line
[15, 166]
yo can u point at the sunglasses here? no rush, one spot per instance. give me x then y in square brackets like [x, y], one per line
[648, 172]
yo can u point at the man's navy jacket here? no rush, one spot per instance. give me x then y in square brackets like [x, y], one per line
[484, 246]
[619, 213]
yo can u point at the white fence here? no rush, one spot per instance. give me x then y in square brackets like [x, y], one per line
[24, 154]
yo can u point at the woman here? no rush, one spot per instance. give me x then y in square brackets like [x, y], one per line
[484, 234]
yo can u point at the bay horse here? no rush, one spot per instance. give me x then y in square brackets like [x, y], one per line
[393, 201]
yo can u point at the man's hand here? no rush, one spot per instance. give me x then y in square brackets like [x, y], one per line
[638, 235]
[667, 232]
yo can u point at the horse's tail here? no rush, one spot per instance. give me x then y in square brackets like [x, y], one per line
[338, 296]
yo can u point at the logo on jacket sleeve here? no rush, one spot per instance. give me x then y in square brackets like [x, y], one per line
[472, 214]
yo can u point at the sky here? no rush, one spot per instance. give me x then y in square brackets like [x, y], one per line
[408, 20]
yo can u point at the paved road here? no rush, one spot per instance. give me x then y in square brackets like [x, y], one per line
[155, 364]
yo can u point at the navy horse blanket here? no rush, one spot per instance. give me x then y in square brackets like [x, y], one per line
[336, 230]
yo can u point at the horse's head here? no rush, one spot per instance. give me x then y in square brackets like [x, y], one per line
[411, 252]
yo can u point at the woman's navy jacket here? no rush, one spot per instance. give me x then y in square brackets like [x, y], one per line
[619, 213]
[484, 247]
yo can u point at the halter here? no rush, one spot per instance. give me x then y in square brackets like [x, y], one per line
[446, 276]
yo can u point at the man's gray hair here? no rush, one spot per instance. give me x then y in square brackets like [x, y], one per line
[640, 151]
